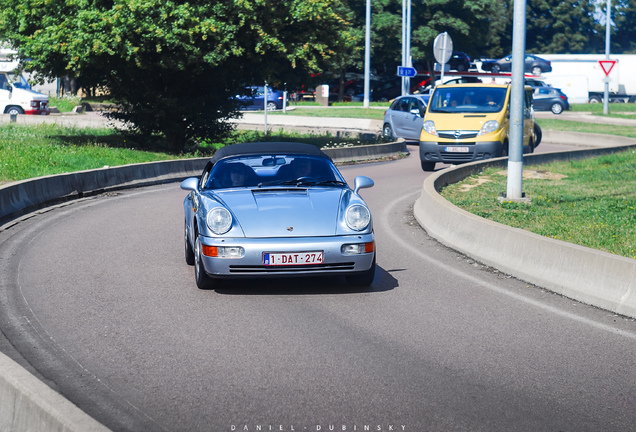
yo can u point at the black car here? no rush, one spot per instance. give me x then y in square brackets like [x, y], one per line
[547, 98]
[459, 61]
[533, 64]
[392, 87]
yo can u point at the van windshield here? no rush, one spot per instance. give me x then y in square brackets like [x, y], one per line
[18, 81]
[468, 100]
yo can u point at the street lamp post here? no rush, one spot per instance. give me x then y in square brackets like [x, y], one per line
[607, 53]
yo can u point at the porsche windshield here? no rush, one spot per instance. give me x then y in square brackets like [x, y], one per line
[468, 99]
[273, 170]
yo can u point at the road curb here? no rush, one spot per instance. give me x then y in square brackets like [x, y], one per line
[587, 275]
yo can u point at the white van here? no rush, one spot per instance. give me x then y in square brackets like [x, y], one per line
[16, 96]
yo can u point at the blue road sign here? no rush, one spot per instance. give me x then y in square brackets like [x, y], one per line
[406, 71]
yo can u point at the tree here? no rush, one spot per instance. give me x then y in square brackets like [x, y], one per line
[173, 65]
[461, 19]
[560, 26]
[624, 18]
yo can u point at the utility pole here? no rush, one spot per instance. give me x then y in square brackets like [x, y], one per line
[607, 53]
[367, 56]
[515, 145]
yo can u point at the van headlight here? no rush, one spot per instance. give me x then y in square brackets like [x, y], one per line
[357, 217]
[429, 127]
[219, 220]
[489, 126]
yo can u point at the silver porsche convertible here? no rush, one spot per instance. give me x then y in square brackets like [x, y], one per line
[276, 209]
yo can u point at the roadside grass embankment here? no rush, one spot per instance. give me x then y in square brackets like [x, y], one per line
[589, 202]
[28, 151]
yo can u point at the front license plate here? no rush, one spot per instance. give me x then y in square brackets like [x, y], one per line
[457, 149]
[292, 258]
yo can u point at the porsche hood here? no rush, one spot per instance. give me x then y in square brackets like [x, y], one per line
[293, 212]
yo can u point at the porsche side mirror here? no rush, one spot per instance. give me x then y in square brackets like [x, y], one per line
[362, 182]
[191, 184]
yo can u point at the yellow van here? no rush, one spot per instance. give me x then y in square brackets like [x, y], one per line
[469, 122]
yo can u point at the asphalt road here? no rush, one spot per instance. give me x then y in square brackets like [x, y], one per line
[100, 304]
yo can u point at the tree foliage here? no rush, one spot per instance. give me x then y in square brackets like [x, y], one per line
[174, 66]
[462, 19]
[624, 35]
[560, 26]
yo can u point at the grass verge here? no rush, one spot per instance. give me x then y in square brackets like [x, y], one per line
[28, 151]
[598, 128]
[589, 202]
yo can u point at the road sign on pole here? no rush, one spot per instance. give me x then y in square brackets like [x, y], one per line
[442, 50]
[607, 66]
[406, 71]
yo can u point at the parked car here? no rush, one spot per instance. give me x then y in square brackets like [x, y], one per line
[533, 64]
[404, 117]
[262, 210]
[459, 61]
[17, 97]
[391, 88]
[550, 99]
[256, 99]
[535, 82]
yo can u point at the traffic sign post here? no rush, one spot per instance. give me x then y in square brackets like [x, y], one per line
[443, 49]
[403, 71]
[607, 66]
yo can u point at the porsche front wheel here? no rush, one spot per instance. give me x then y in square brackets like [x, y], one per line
[189, 252]
[204, 281]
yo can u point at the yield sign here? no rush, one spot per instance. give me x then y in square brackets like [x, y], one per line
[607, 66]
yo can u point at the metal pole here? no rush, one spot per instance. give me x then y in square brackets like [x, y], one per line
[265, 103]
[515, 145]
[403, 44]
[607, 53]
[367, 56]
[443, 65]
[407, 56]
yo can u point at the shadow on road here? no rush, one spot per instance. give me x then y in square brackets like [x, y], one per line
[383, 281]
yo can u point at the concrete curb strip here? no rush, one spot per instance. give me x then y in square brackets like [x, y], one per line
[587, 275]
[26, 404]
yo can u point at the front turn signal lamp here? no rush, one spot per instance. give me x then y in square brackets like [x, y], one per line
[223, 251]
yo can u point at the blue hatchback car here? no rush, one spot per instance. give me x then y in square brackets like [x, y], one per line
[256, 101]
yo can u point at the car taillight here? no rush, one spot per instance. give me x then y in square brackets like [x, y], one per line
[564, 97]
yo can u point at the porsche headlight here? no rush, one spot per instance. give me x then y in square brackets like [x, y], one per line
[357, 217]
[489, 126]
[219, 220]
